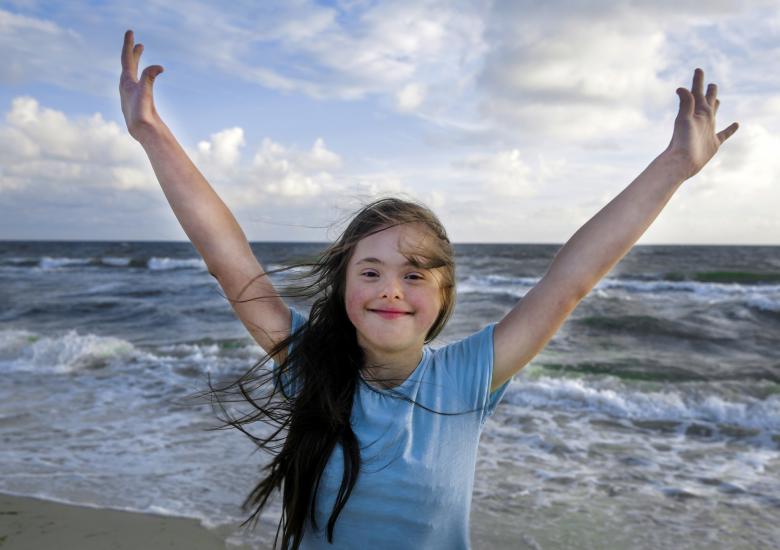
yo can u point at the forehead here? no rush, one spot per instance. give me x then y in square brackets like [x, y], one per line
[396, 241]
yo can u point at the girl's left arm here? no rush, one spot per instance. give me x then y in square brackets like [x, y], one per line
[599, 244]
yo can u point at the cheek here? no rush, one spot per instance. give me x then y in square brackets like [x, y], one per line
[428, 303]
[350, 303]
[353, 300]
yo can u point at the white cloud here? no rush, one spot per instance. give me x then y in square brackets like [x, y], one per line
[40, 50]
[291, 173]
[342, 52]
[42, 148]
[735, 198]
[223, 148]
[549, 107]
[411, 96]
[579, 77]
[320, 158]
[274, 170]
[501, 174]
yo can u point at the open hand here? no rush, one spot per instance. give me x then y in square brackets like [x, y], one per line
[694, 141]
[136, 94]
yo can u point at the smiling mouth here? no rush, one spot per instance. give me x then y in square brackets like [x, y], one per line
[390, 314]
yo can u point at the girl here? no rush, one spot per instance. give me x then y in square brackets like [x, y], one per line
[382, 431]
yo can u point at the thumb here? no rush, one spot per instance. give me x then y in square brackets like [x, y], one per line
[150, 73]
[686, 102]
[726, 133]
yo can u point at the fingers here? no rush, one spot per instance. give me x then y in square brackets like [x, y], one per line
[702, 101]
[138, 49]
[726, 133]
[712, 94]
[131, 55]
[129, 61]
[686, 102]
[697, 88]
[696, 100]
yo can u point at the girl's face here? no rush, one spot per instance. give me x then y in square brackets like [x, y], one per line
[391, 303]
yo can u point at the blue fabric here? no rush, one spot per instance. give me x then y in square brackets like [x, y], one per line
[415, 484]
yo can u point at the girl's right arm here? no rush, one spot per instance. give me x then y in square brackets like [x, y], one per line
[206, 220]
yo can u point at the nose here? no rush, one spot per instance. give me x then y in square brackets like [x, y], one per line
[392, 289]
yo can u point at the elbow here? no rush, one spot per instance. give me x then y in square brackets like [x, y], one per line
[571, 290]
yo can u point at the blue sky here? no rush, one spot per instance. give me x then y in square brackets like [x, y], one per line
[516, 121]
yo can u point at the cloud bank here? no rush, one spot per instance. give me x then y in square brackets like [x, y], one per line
[520, 120]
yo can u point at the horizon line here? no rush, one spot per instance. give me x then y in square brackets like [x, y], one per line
[330, 242]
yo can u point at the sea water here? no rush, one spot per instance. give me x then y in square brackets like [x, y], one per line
[651, 419]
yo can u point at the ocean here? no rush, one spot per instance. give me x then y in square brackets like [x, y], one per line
[651, 419]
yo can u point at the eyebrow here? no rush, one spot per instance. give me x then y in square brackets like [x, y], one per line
[378, 261]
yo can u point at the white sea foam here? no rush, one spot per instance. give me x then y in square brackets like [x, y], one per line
[766, 297]
[164, 264]
[620, 402]
[763, 302]
[24, 350]
[115, 262]
[56, 263]
[194, 352]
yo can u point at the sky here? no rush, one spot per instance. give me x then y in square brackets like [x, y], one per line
[515, 121]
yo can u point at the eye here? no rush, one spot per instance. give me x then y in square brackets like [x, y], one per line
[416, 276]
[370, 274]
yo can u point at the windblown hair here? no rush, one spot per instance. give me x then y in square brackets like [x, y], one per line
[320, 366]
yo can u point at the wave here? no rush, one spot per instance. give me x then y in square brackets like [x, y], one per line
[494, 283]
[764, 297]
[166, 264]
[614, 399]
[23, 350]
[662, 373]
[70, 352]
[645, 326]
[53, 263]
[153, 263]
[763, 303]
[740, 277]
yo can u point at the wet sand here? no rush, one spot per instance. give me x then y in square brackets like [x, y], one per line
[34, 524]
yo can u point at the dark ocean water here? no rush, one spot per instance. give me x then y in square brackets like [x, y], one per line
[652, 419]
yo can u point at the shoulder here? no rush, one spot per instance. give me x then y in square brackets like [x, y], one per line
[478, 345]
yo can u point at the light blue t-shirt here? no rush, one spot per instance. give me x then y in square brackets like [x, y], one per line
[417, 474]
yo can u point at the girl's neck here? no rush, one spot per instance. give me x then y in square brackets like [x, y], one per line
[388, 370]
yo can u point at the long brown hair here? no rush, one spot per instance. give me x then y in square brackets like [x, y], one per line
[323, 362]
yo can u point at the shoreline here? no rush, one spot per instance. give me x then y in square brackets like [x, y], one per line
[33, 523]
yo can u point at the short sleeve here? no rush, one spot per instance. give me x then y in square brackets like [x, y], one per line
[297, 320]
[470, 363]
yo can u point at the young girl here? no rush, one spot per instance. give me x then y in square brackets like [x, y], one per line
[381, 430]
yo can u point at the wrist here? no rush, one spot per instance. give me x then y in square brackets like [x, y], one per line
[149, 132]
[676, 163]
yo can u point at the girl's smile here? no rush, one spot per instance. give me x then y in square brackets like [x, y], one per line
[391, 314]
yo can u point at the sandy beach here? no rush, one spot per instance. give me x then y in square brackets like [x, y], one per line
[34, 524]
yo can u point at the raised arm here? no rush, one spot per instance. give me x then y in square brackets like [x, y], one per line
[599, 244]
[206, 220]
